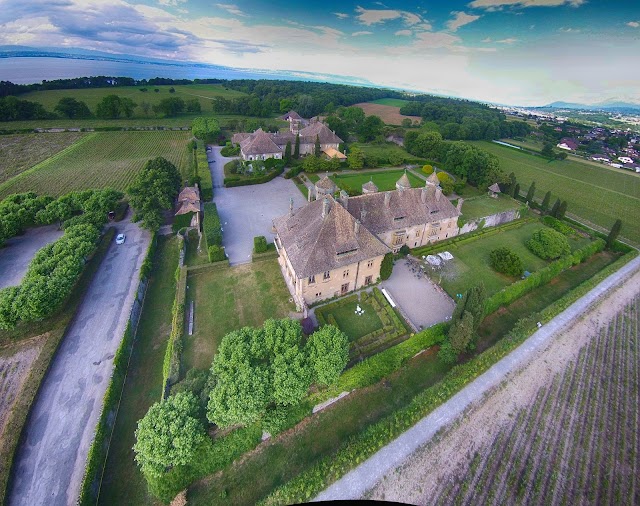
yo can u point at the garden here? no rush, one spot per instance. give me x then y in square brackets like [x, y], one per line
[247, 172]
[484, 205]
[384, 180]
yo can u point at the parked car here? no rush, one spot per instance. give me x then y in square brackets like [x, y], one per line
[120, 238]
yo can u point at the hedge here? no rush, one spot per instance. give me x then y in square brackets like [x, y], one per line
[230, 182]
[147, 263]
[211, 226]
[516, 290]
[173, 353]
[204, 173]
[360, 447]
[216, 254]
[259, 244]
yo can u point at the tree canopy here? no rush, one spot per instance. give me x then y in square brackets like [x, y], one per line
[71, 108]
[506, 261]
[113, 107]
[548, 244]
[206, 129]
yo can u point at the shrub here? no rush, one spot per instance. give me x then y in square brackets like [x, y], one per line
[386, 268]
[427, 169]
[548, 244]
[558, 225]
[404, 250]
[216, 254]
[506, 261]
[230, 150]
[259, 244]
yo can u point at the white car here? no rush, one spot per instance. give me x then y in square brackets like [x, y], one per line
[120, 238]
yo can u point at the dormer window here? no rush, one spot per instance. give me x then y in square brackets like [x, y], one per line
[327, 275]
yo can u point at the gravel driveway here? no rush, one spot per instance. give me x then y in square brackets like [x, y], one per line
[355, 483]
[51, 458]
[248, 211]
[18, 252]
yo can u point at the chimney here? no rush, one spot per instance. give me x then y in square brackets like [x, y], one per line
[344, 198]
[363, 215]
[290, 206]
[438, 193]
[387, 199]
[325, 207]
[423, 195]
[459, 206]
[356, 227]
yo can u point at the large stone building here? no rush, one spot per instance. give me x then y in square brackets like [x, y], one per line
[333, 246]
[261, 145]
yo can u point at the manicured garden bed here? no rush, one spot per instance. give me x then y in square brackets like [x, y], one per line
[355, 326]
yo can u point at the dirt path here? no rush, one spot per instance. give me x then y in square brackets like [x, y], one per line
[419, 476]
[571, 324]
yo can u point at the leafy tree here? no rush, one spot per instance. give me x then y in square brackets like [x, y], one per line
[206, 129]
[73, 109]
[516, 190]
[386, 268]
[506, 261]
[459, 339]
[287, 154]
[316, 149]
[406, 123]
[171, 107]
[113, 107]
[146, 107]
[531, 193]
[314, 164]
[355, 158]
[446, 183]
[561, 156]
[328, 351]
[296, 149]
[154, 189]
[193, 105]
[512, 183]
[370, 129]
[547, 150]
[548, 244]
[169, 434]
[555, 208]
[613, 233]
[562, 209]
[545, 201]
[427, 145]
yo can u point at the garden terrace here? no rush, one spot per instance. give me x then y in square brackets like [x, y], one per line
[370, 332]
[479, 207]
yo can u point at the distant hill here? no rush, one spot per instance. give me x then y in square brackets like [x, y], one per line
[609, 105]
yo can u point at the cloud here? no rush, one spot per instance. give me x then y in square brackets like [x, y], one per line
[498, 4]
[510, 40]
[364, 32]
[487, 40]
[569, 30]
[370, 17]
[232, 9]
[460, 19]
[171, 3]
[633, 24]
[404, 33]
[341, 15]
[435, 40]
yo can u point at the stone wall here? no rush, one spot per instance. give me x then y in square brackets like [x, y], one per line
[490, 221]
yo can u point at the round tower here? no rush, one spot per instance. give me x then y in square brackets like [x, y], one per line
[325, 187]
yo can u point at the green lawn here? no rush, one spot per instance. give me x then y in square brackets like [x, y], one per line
[594, 194]
[394, 102]
[123, 483]
[479, 207]
[99, 160]
[231, 298]
[355, 326]
[383, 180]
[383, 150]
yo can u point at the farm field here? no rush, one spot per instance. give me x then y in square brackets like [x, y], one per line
[576, 442]
[227, 299]
[99, 160]
[390, 114]
[204, 93]
[593, 194]
[479, 207]
[393, 102]
[20, 152]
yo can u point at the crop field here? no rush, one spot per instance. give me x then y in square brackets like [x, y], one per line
[92, 96]
[99, 160]
[390, 114]
[596, 195]
[576, 443]
[20, 152]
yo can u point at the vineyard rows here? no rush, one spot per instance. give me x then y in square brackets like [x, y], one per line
[100, 160]
[577, 443]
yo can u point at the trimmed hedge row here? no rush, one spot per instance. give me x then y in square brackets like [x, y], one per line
[173, 353]
[212, 229]
[147, 263]
[360, 447]
[516, 290]
[230, 182]
[204, 173]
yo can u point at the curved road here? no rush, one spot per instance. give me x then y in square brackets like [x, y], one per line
[355, 483]
[50, 460]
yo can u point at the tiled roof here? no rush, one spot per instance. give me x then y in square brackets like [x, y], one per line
[433, 178]
[316, 244]
[259, 143]
[189, 193]
[321, 130]
[291, 115]
[325, 183]
[370, 187]
[495, 188]
[403, 182]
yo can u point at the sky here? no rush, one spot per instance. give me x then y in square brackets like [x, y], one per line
[520, 52]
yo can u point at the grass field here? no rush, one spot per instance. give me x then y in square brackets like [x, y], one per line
[390, 114]
[123, 482]
[355, 326]
[99, 160]
[575, 443]
[382, 151]
[20, 152]
[594, 194]
[227, 299]
[479, 207]
[394, 102]
[204, 93]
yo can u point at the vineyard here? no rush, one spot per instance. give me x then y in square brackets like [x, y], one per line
[19, 152]
[576, 443]
[100, 160]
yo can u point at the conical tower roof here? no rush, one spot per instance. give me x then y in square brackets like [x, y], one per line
[325, 183]
[433, 178]
[403, 183]
[369, 187]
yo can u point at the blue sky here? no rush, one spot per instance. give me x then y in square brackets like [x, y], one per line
[527, 52]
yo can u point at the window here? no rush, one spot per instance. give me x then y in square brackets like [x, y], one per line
[415, 244]
[345, 288]
[370, 264]
[417, 233]
[318, 294]
[345, 273]
[367, 280]
[312, 280]
[399, 239]
[327, 275]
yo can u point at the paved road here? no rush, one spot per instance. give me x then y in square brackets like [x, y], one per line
[18, 252]
[355, 483]
[248, 211]
[50, 461]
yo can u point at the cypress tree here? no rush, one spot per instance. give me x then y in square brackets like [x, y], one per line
[316, 150]
[516, 191]
[562, 210]
[554, 209]
[545, 201]
[531, 192]
[296, 149]
[613, 234]
[512, 183]
[287, 153]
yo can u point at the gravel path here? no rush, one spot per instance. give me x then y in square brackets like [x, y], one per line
[51, 458]
[356, 483]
